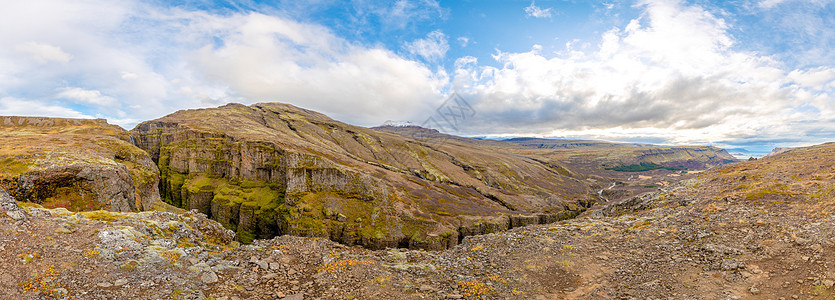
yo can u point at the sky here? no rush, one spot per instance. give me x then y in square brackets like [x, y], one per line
[752, 74]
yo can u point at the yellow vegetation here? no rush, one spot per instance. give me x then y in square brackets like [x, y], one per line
[103, 215]
[26, 256]
[712, 208]
[474, 287]
[44, 284]
[92, 253]
[341, 265]
[171, 256]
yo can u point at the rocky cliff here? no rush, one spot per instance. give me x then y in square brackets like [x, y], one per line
[78, 164]
[271, 169]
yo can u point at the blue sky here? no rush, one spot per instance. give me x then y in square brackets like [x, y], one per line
[747, 73]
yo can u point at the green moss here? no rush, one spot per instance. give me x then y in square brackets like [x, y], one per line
[228, 199]
[13, 166]
[262, 201]
[28, 205]
[245, 237]
[130, 265]
[103, 215]
[307, 224]
[199, 184]
[764, 193]
[248, 184]
[823, 192]
[185, 244]
[70, 197]
[171, 189]
[640, 168]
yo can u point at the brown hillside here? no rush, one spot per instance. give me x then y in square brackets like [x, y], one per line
[272, 168]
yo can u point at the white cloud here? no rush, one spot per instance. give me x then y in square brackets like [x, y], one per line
[80, 95]
[10, 106]
[402, 12]
[537, 12]
[770, 3]
[44, 53]
[431, 48]
[128, 75]
[672, 74]
[152, 61]
[265, 58]
[817, 78]
[464, 41]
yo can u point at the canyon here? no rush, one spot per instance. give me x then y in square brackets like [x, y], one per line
[273, 169]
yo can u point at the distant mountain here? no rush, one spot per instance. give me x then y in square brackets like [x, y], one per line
[780, 150]
[569, 144]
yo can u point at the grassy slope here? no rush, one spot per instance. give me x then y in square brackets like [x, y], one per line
[33, 144]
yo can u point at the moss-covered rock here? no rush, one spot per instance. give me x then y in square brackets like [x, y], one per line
[76, 164]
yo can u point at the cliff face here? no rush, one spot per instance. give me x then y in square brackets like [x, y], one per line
[271, 169]
[75, 164]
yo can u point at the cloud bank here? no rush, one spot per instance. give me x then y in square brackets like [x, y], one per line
[130, 61]
[674, 74]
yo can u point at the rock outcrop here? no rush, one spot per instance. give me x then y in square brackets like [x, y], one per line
[271, 169]
[78, 164]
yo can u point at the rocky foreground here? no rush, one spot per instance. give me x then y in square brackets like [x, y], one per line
[760, 230]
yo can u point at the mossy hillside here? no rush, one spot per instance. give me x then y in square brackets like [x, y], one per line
[640, 168]
[253, 209]
[12, 167]
[368, 223]
[40, 147]
[297, 130]
[802, 179]
[593, 159]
